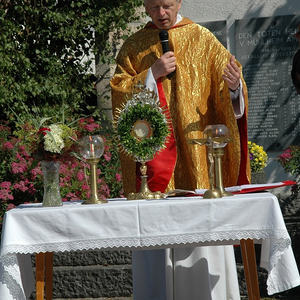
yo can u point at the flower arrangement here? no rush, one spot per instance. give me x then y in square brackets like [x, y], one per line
[290, 160]
[46, 142]
[20, 171]
[258, 157]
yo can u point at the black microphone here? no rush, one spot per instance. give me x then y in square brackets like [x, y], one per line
[164, 39]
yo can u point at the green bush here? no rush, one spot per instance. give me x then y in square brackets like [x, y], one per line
[47, 50]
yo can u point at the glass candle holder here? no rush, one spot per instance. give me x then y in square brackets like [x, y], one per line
[219, 134]
[218, 137]
[91, 146]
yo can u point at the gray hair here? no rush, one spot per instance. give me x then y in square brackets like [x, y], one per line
[150, 0]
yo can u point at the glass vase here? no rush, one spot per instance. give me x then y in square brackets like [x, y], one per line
[50, 171]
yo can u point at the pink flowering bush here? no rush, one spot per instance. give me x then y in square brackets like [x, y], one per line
[290, 160]
[21, 178]
[18, 180]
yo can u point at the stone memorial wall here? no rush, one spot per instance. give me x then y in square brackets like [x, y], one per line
[265, 47]
[218, 28]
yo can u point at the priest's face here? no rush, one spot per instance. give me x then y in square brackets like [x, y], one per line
[163, 12]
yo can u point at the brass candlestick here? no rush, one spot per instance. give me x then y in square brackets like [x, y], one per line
[92, 148]
[216, 138]
[218, 153]
[220, 137]
[145, 192]
[94, 199]
[213, 191]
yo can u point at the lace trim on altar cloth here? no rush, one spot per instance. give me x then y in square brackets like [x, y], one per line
[280, 240]
[277, 251]
[10, 276]
[214, 237]
[74, 246]
[10, 273]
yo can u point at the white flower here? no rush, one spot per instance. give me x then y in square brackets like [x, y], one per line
[53, 141]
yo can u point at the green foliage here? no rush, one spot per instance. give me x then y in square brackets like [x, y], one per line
[146, 148]
[47, 50]
[47, 54]
[111, 169]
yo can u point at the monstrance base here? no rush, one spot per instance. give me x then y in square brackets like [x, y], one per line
[145, 195]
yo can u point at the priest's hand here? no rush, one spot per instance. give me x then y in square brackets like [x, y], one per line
[232, 74]
[164, 65]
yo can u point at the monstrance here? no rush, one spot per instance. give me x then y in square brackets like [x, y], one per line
[142, 129]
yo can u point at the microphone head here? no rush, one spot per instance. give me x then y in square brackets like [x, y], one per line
[163, 35]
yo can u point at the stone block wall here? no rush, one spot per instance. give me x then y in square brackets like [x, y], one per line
[92, 275]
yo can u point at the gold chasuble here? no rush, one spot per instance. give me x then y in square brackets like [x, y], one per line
[196, 96]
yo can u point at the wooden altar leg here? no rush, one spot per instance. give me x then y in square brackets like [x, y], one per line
[250, 269]
[49, 274]
[39, 275]
[43, 276]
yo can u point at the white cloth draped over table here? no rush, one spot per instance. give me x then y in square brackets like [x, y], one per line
[174, 222]
[16, 283]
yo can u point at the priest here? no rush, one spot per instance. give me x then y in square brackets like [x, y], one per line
[201, 83]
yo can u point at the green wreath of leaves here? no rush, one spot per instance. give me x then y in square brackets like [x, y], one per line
[145, 149]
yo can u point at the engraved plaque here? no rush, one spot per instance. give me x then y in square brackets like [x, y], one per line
[218, 28]
[265, 47]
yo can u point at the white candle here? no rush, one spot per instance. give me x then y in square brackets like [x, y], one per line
[92, 147]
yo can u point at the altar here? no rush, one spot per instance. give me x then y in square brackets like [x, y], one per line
[145, 224]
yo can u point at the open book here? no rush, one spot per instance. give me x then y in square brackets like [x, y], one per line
[239, 189]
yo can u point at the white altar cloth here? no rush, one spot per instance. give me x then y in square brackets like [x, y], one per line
[143, 224]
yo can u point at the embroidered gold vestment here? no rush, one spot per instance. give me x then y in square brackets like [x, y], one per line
[197, 96]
